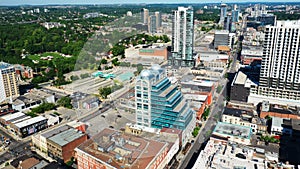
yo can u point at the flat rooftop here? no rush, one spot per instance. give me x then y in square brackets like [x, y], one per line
[66, 136]
[237, 112]
[4, 65]
[55, 131]
[277, 121]
[195, 97]
[233, 130]
[222, 154]
[111, 147]
[12, 116]
[30, 121]
[240, 78]
[203, 83]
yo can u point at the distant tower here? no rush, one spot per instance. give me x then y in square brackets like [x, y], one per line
[158, 19]
[152, 26]
[235, 14]
[182, 38]
[223, 12]
[144, 16]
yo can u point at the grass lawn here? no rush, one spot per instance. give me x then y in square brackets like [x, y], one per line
[38, 56]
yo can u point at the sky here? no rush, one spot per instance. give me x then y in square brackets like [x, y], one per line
[49, 2]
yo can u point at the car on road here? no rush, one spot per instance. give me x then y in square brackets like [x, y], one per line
[7, 141]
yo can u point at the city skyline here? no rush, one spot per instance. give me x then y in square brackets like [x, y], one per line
[91, 2]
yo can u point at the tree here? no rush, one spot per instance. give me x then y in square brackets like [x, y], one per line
[85, 75]
[104, 92]
[43, 107]
[206, 113]
[103, 61]
[74, 77]
[65, 102]
[115, 62]
[195, 131]
[139, 68]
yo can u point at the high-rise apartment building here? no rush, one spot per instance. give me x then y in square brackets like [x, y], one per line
[235, 13]
[152, 24]
[158, 19]
[144, 16]
[160, 104]
[280, 69]
[8, 82]
[182, 38]
[223, 12]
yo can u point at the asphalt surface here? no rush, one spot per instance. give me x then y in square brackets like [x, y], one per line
[16, 148]
[206, 131]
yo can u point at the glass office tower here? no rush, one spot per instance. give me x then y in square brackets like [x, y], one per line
[160, 104]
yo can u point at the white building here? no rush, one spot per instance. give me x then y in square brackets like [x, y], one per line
[277, 128]
[280, 69]
[182, 37]
[8, 82]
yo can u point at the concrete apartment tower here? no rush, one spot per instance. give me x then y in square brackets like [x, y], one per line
[280, 69]
[223, 12]
[144, 16]
[8, 82]
[158, 19]
[152, 27]
[182, 38]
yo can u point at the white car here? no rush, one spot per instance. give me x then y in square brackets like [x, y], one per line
[7, 141]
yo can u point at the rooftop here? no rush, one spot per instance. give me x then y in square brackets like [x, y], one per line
[288, 24]
[195, 97]
[277, 121]
[240, 78]
[66, 136]
[55, 131]
[220, 153]
[119, 150]
[4, 65]
[30, 121]
[245, 115]
[12, 116]
[233, 130]
[223, 48]
[221, 32]
[28, 163]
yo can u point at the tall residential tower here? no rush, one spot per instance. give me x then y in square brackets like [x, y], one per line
[182, 38]
[144, 16]
[280, 69]
[223, 12]
[8, 82]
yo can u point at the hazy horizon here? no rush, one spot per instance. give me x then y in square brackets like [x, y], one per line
[92, 2]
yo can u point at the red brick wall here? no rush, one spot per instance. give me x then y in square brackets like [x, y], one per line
[274, 114]
[87, 163]
[68, 150]
[157, 52]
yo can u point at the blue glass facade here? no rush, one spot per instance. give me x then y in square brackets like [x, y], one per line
[160, 104]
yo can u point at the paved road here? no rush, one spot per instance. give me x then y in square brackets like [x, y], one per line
[16, 148]
[206, 129]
